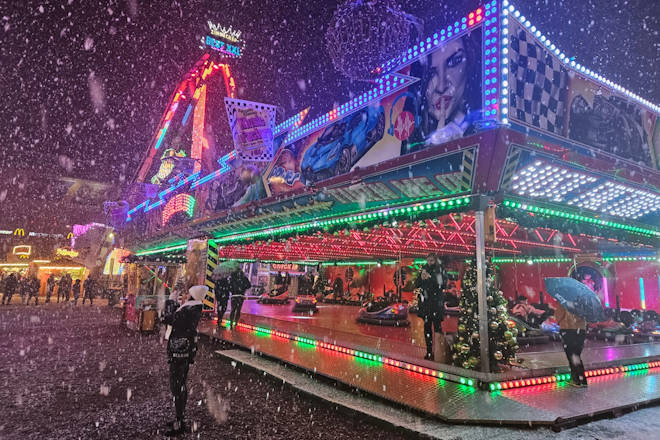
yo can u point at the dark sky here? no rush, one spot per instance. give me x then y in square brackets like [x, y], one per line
[83, 83]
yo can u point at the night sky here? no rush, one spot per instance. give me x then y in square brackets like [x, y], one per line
[83, 84]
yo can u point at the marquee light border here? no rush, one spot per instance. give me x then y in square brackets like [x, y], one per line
[386, 85]
[575, 216]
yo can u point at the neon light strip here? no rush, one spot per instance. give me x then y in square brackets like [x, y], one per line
[509, 8]
[177, 247]
[184, 121]
[519, 383]
[581, 218]
[13, 264]
[198, 139]
[293, 121]
[63, 267]
[642, 297]
[388, 84]
[606, 292]
[355, 353]
[224, 167]
[384, 213]
[459, 27]
[536, 260]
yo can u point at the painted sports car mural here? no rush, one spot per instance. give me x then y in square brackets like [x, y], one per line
[342, 144]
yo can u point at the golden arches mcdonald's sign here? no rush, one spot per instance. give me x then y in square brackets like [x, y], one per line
[19, 232]
[69, 236]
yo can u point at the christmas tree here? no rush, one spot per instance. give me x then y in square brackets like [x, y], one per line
[501, 337]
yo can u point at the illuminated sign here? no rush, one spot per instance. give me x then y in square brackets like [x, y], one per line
[284, 267]
[227, 41]
[66, 253]
[252, 125]
[19, 232]
[22, 251]
[179, 203]
[225, 33]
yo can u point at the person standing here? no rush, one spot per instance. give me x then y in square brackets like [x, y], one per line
[10, 288]
[221, 291]
[50, 285]
[64, 290]
[183, 317]
[33, 291]
[76, 292]
[24, 287]
[573, 331]
[88, 290]
[431, 283]
[239, 284]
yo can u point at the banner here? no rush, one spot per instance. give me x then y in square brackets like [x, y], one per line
[546, 96]
[252, 126]
[443, 105]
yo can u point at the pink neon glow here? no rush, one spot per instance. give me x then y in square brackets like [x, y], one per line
[606, 293]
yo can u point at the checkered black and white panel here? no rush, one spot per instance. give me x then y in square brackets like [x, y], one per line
[538, 83]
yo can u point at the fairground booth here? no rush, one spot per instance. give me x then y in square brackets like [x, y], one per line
[482, 143]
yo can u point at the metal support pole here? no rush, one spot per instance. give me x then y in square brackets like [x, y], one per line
[481, 285]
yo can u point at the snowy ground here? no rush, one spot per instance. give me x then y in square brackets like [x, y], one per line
[76, 373]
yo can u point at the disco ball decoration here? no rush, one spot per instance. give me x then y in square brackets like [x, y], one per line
[363, 34]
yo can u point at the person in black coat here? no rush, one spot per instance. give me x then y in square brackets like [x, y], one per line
[76, 292]
[239, 284]
[183, 318]
[11, 283]
[50, 285]
[222, 291]
[431, 282]
[33, 290]
[88, 290]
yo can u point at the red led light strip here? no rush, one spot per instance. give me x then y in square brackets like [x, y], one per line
[358, 354]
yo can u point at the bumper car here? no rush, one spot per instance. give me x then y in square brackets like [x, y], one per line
[274, 297]
[526, 334]
[382, 313]
[611, 330]
[305, 303]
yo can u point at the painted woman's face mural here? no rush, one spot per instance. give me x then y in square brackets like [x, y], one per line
[444, 94]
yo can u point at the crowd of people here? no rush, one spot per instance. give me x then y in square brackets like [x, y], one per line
[27, 286]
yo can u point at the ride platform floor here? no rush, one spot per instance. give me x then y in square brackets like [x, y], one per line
[337, 324]
[552, 404]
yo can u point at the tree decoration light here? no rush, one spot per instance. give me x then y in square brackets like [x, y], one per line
[501, 339]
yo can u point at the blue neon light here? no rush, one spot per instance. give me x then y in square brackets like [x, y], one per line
[184, 121]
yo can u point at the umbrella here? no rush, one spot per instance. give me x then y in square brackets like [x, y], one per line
[576, 298]
[226, 267]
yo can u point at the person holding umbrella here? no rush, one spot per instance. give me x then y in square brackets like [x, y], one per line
[573, 331]
[577, 305]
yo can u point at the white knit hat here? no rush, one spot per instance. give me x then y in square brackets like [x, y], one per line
[198, 292]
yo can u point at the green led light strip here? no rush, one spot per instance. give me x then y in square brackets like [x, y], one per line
[383, 214]
[383, 360]
[173, 247]
[412, 200]
[581, 218]
[536, 260]
[544, 380]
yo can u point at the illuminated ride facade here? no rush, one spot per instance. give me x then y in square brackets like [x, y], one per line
[482, 142]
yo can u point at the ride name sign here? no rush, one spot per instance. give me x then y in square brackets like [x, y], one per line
[223, 47]
[224, 40]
